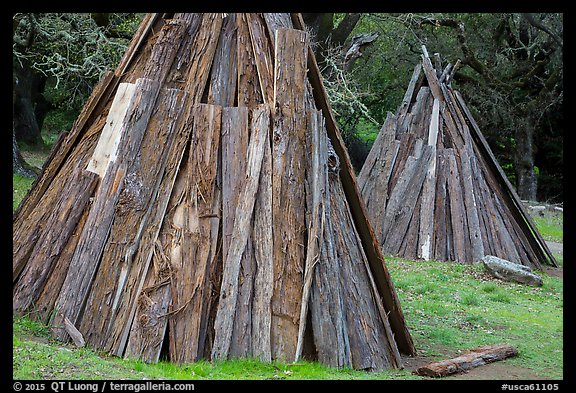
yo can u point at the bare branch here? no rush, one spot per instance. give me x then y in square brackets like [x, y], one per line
[530, 18]
[359, 43]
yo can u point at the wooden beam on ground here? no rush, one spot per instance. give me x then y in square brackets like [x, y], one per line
[474, 358]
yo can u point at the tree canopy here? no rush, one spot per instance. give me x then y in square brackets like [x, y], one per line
[510, 71]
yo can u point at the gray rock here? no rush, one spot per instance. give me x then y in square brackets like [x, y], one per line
[510, 271]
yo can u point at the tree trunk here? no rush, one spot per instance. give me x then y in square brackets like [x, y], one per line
[19, 165]
[524, 161]
[326, 35]
[27, 89]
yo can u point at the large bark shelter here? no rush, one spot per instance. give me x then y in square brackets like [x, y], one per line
[433, 188]
[203, 206]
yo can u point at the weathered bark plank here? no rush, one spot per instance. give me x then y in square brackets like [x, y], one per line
[262, 52]
[263, 255]
[191, 23]
[403, 200]
[375, 175]
[224, 74]
[165, 50]
[194, 244]
[197, 66]
[145, 28]
[328, 306]
[235, 139]
[457, 214]
[467, 159]
[288, 195]
[150, 320]
[432, 78]
[415, 81]
[86, 258]
[249, 90]
[318, 188]
[44, 304]
[225, 316]
[442, 235]
[59, 226]
[74, 333]
[371, 347]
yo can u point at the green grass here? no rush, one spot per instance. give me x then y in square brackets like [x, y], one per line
[550, 227]
[20, 186]
[37, 356]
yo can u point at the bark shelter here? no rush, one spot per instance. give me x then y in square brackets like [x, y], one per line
[203, 206]
[434, 190]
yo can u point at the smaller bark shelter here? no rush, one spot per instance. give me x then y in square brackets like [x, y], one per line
[433, 188]
[203, 206]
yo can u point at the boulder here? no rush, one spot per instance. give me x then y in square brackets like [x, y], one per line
[510, 271]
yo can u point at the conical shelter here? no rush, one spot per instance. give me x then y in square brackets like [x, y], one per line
[434, 190]
[203, 206]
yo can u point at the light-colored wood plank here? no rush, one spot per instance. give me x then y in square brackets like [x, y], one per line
[107, 147]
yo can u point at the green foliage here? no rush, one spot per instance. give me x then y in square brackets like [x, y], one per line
[57, 122]
[470, 299]
[73, 53]
[70, 47]
[520, 81]
[25, 326]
